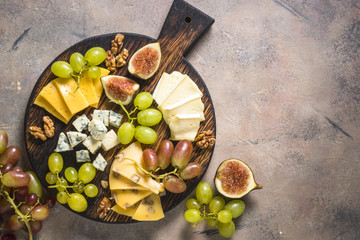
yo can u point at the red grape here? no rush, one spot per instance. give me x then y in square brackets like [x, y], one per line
[40, 212]
[24, 208]
[8, 236]
[20, 193]
[164, 153]
[190, 171]
[3, 140]
[10, 155]
[17, 169]
[14, 224]
[35, 226]
[174, 184]
[31, 199]
[5, 206]
[15, 179]
[182, 154]
[150, 159]
[50, 201]
[7, 168]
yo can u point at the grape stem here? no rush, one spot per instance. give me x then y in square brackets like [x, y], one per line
[130, 119]
[78, 77]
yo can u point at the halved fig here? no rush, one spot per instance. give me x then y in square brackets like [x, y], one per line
[234, 179]
[145, 61]
[118, 88]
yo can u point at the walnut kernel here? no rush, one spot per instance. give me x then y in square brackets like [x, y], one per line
[37, 132]
[49, 128]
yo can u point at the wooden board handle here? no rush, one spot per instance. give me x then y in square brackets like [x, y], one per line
[183, 25]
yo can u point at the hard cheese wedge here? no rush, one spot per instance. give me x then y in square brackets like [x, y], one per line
[116, 182]
[98, 86]
[184, 126]
[41, 102]
[74, 100]
[88, 89]
[164, 87]
[129, 170]
[127, 198]
[130, 211]
[51, 94]
[150, 209]
[191, 105]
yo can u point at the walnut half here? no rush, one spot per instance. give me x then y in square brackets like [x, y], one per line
[37, 132]
[48, 127]
[205, 139]
[104, 207]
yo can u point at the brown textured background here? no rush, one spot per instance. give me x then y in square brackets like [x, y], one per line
[284, 78]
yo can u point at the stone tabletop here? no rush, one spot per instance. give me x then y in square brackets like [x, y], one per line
[284, 79]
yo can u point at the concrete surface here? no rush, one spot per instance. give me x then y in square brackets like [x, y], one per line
[284, 78]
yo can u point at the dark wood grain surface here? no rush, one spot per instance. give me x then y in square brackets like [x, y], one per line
[183, 26]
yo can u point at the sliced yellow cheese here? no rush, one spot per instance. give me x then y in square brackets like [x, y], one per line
[41, 102]
[191, 105]
[184, 89]
[165, 86]
[98, 86]
[184, 126]
[126, 198]
[129, 170]
[75, 100]
[127, 212]
[88, 89]
[117, 182]
[150, 209]
[51, 94]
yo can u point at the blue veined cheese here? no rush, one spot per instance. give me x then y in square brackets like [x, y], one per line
[101, 115]
[81, 123]
[91, 144]
[97, 129]
[82, 156]
[110, 140]
[99, 162]
[63, 144]
[75, 138]
[115, 119]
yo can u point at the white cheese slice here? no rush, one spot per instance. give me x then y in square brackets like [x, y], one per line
[164, 87]
[189, 105]
[100, 162]
[184, 126]
[81, 123]
[63, 144]
[92, 144]
[101, 115]
[115, 119]
[97, 129]
[184, 89]
[82, 156]
[110, 140]
[75, 138]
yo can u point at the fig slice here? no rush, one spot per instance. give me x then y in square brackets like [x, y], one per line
[235, 179]
[119, 89]
[145, 61]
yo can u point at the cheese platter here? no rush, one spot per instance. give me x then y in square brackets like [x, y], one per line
[87, 123]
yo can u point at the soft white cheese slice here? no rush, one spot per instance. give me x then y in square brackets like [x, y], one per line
[184, 126]
[189, 105]
[164, 87]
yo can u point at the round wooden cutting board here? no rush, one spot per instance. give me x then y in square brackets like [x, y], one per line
[183, 26]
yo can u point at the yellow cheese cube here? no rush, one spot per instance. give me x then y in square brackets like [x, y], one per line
[126, 198]
[150, 209]
[117, 182]
[51, 94]
[41, 102]
[75, 100]
[98, 86]
[127, 212]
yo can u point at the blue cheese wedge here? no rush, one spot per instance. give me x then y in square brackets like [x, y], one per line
[97, 129]
[92, 144]
[115, 119]
[63, 144]
[101, 115]
[100, 162]
[110, 140]
[81, 123]
[75, 138]
[82, 156]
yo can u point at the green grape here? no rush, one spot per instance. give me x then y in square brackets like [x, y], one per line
[61, 181]
[71, 174]
[62, 197]
[216, 204]
[236, 207]
[226, 229]
[191, 203]
[204, 193]
[77, 61]
[126, 133]
[224, 216]
[91, 190]
[145, 135]
[62, 69]
[55, 162]
[87, 172]
[94, 56]
[51, 178]
[149, 117]
[192, 215]
[94, 72]
[79, 186]
[77, 202]
[211, 221]
[143, 100]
